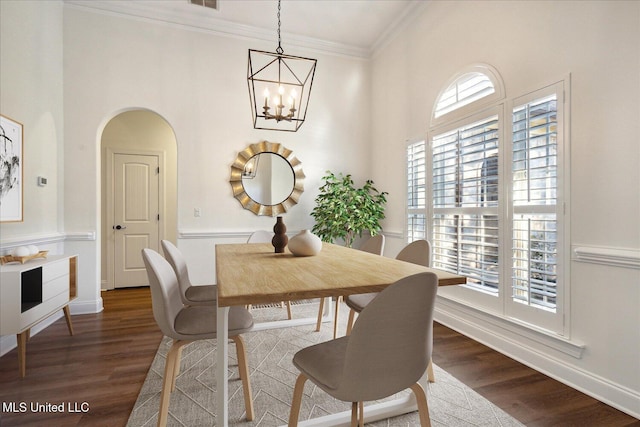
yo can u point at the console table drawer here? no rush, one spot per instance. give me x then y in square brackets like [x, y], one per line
[55, 269]
[55, 287]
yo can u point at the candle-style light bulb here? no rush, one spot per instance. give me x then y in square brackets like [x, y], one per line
[266, 97]
[277, 102]
[293, 97]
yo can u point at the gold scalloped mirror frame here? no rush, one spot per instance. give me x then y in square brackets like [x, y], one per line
[237, 168]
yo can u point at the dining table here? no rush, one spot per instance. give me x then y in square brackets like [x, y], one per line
[255, 274]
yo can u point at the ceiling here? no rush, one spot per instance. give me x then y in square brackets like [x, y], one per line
[350, 27]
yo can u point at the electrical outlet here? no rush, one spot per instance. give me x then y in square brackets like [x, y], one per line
[197, 212]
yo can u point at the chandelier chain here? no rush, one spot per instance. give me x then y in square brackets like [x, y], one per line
[279, 50]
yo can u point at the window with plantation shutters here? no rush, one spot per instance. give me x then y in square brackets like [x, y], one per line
[496, 197]
[416, 191]
[534, 189]
[465, 202]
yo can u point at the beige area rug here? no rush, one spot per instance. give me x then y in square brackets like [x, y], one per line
[273, 376]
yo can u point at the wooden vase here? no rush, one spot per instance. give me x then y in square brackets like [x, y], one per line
[280, 238]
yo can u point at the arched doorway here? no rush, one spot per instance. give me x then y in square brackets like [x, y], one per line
[139, 162]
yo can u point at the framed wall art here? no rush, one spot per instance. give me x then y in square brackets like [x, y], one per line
[11, 170]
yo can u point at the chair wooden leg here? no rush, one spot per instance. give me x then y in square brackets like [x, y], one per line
[176, 369]
[335, 318]
[320, 312]
[430, 375]
[168, 380]
[243, 370]
[423, 407]
[354, 414]
[350, 321]
[289, 314]
[67, 317]
[297, 400]
[361, 417]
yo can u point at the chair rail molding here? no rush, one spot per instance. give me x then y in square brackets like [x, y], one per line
[210, 234]
[615, 257]
[46, 239]
[39, 239]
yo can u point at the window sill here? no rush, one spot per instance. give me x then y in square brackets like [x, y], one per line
[458, 315]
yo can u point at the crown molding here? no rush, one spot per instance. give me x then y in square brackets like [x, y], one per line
[208, 22]
[401, 22]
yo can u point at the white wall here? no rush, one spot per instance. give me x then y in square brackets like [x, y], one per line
[31, 93]
[197, 82]
[532, 44]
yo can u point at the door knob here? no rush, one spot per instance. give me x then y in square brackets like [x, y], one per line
[118, 227]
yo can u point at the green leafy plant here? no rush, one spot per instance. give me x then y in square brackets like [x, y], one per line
[343, 211]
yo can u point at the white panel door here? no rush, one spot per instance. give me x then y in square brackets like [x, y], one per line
[136, 215]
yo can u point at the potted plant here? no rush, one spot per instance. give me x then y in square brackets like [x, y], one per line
[343, 211]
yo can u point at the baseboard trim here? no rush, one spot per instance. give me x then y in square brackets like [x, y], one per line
[86, 307]
[613, 394]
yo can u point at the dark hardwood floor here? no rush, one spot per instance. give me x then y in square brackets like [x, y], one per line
[105, 363]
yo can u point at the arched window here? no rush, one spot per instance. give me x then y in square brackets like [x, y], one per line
[466, 89]
[485, 189]
[477, 85]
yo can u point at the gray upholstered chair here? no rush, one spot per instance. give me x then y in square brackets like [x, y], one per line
[264, 236]
[190, 294]
[373, 245]
[416, 252]
[185, 324]
[388, 350]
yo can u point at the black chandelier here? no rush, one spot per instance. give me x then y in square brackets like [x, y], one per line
[279, 87]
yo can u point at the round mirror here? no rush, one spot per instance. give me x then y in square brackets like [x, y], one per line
[266, 178]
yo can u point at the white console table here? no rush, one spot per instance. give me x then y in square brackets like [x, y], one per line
[33, 291]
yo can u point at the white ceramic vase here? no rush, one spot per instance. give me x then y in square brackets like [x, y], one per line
[305, 243]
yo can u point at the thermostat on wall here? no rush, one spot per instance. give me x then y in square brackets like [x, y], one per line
[42, 181]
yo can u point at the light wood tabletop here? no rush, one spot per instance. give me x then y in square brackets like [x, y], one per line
[254, 274]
